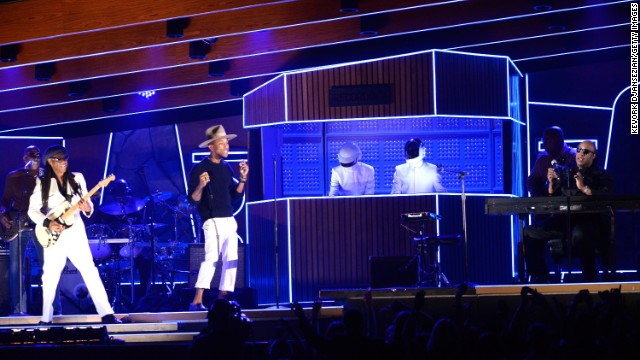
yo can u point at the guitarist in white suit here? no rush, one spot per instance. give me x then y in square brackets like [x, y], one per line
[55, 191]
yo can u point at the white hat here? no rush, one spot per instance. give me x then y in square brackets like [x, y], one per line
[349, 153]
[214, 133]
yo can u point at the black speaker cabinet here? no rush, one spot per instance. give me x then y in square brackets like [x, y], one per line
[5, 298]
[393, 271]
[196, 256]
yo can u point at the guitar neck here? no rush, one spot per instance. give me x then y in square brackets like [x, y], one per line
[76, 206]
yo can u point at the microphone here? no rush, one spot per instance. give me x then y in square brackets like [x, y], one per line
[558, 168]
[28, 164]
[209, 187]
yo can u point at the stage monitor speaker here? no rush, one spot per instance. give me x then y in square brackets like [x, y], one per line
[196, 256]
[5, 298]
[393, 271]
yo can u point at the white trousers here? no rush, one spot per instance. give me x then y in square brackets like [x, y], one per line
[220, 243]
[72, 244]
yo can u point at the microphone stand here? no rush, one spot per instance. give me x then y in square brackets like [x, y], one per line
[152, 242]
[463, 197]
[21, 254]
[568, 223]
[275, 230]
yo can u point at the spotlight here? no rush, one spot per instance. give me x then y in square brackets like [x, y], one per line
[147, 93]
[9, 53]
[199, 49]
[175, 27]
[111, 105]
[218, 68]
[347, 6]
[79, 88]
[369, 25]
[44, 72]
[542, 7]
[239, 87]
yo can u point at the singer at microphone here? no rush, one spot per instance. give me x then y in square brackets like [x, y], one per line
[212, 189]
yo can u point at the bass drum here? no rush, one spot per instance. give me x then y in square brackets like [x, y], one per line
[125, 251]
[97, 234]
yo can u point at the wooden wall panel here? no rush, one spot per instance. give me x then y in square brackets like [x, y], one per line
[474, 85]
[409, 77]
[266, 105]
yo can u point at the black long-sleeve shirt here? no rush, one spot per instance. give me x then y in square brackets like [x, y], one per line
[219, 195]
[18, 187]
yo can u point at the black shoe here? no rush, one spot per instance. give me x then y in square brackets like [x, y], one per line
[44, 323]
[197, 307]
[110, 319]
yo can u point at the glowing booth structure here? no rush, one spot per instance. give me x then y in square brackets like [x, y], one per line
[465, 108]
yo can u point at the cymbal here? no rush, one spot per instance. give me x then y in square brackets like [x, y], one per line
[147, 227]
[160, 196]
[184, 205]
[123, 205]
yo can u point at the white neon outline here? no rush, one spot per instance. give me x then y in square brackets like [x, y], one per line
[389, 117]
[106, 165]
[31, 137]
[289, 256]
[590, 107]
[194, 223]
[435, 87]
[613, 110]
[572, 52]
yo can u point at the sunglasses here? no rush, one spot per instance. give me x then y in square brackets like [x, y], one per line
[63, 159]
[584, 151]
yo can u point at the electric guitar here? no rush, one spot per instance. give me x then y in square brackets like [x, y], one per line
[63, 214]
[19, 223]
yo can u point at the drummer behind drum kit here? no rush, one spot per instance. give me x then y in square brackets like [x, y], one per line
[114, 251]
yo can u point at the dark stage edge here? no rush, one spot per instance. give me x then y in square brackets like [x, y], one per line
[486, 299]
[339, 295]
[167, 333]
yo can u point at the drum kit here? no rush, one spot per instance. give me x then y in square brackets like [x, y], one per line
[115, 247]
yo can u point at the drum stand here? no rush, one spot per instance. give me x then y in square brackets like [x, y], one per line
[429, 274]
[117, 304]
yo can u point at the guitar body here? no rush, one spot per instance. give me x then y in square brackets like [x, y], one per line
[19, 223]
[45, 236]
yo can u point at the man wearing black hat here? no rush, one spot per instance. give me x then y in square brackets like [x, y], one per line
[57, 186]
[17, 227]
[213, 189]
[416, 175]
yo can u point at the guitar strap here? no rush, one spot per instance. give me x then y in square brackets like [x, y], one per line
[63, 189]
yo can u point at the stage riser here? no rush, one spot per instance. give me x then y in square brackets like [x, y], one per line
[326, 248]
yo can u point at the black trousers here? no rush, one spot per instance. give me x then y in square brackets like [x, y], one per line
[589, 235]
